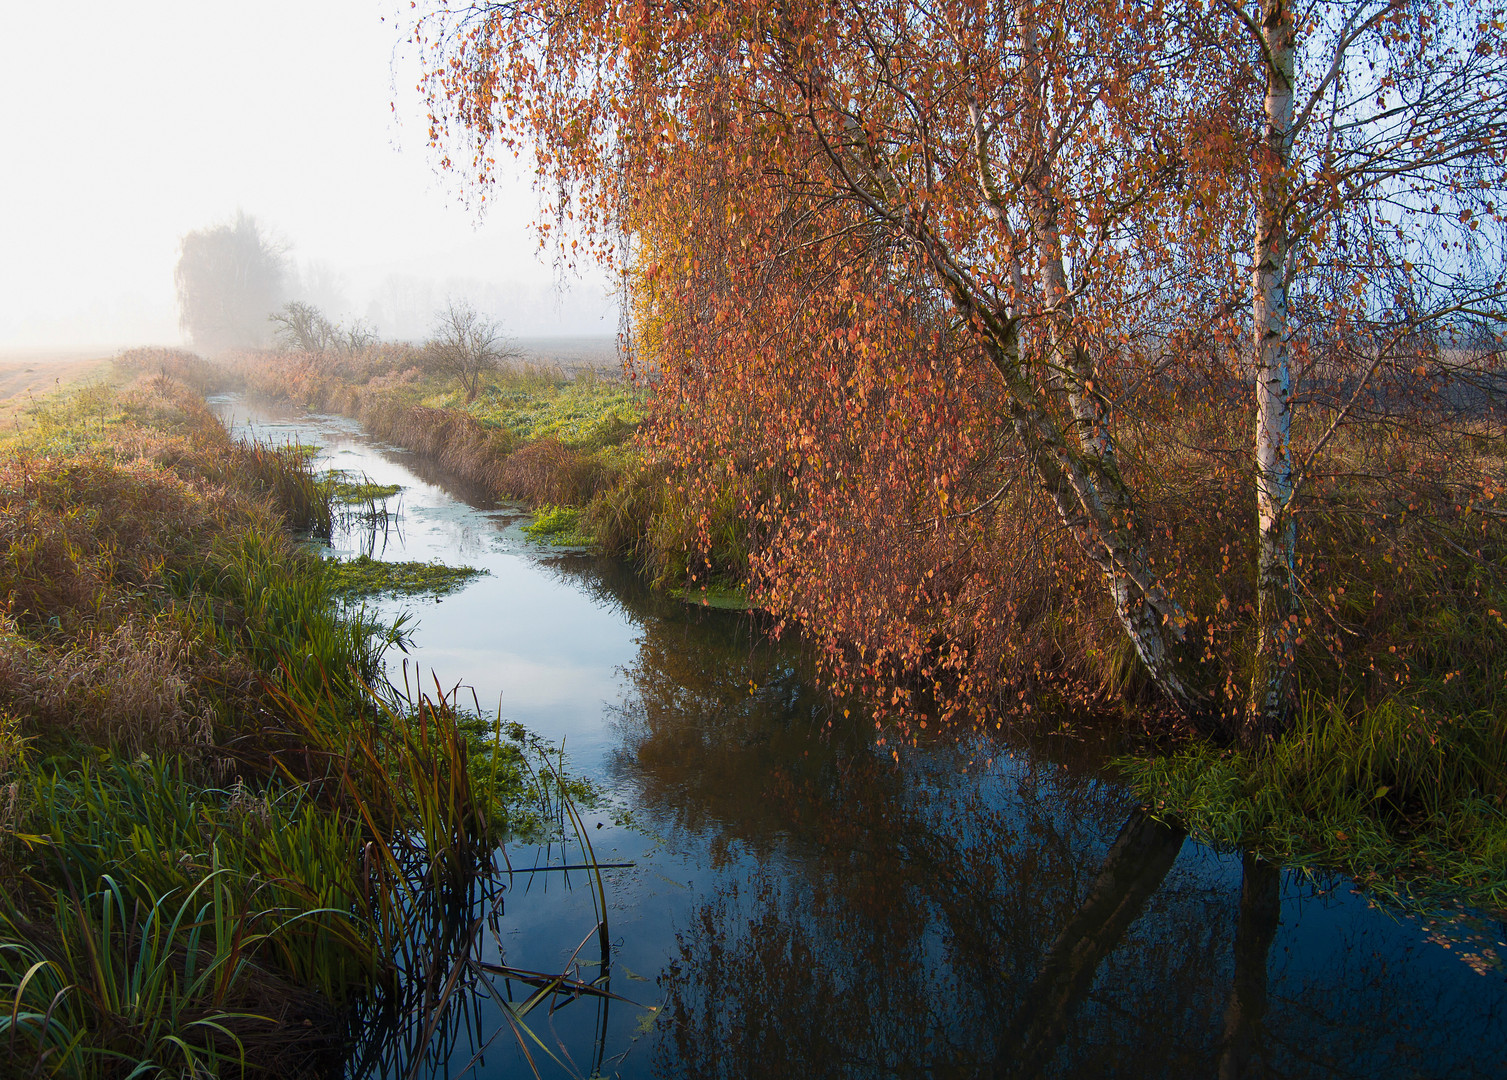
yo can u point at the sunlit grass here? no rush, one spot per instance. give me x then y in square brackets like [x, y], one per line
[1411, 801]
[562, 526]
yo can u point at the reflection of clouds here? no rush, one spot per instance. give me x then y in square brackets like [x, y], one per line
[520, 682]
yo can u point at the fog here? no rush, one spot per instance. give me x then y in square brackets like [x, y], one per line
[124, 127]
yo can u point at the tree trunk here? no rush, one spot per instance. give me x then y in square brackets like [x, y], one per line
[1149, 616]
[1092, 500]
[1133, 870]
[1270, 705]
[1081, 469]
[1260, 907]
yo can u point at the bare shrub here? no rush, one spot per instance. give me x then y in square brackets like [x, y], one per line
[301, 327]
[466, 345]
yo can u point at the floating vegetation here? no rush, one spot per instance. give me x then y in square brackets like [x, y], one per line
[361, 506]
[562, 526]
[365, 576]
[347, 490]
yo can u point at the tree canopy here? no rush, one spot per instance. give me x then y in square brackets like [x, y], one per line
[973, 304]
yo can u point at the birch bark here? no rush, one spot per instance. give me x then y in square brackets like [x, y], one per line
[1270, 703]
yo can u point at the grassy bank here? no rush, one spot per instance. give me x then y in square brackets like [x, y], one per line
[561, 443]
[1407, 798]
[220, 840]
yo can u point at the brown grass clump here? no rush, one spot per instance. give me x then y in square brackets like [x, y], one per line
[100, 543]
[458, 442]
[176, 364]
[78, 534]
[328, 381]
[548, 471]
[134, 689]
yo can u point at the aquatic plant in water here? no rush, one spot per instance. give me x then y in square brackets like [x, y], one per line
[365, 576]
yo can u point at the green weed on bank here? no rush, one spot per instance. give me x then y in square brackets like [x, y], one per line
[1409, 800]
[562, 526]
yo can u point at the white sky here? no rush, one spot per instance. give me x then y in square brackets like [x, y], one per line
[125, 125]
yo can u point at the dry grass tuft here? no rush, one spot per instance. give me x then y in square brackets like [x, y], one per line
[176, 364]
[133, 689]
[547, 471]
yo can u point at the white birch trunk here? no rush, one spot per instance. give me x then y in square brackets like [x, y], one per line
[1104, 511]
[1271, 683]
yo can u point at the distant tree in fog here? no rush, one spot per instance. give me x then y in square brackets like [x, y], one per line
[466, 344]
[304, 328]
[229, 280]
[358, 335]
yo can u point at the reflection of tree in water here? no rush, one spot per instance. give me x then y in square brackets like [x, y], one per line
[1377, 1000]
[943, 974]
[777, 977]
[1017, 920]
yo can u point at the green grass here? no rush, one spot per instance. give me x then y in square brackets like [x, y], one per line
[582, 414]
[540, 437]
[1410, 801]
[219, 828]
[721, 597]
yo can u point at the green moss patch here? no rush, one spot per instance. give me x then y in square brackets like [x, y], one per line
[721, 597]
[563, 526]
[347, 489]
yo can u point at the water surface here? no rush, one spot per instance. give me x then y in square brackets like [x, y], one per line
[802, 904]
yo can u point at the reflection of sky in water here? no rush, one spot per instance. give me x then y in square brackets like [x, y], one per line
[801, 905]
[516, 634]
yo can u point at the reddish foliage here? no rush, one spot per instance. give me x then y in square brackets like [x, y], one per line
[953, 299]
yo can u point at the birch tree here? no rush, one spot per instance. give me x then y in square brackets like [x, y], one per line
[1382, 165]
[1073, 198]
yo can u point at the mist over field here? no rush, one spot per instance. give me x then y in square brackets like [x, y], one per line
[175, 117]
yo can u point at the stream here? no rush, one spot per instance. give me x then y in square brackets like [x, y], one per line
[800, 902]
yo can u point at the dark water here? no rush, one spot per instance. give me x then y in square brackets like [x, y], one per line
[801, 904]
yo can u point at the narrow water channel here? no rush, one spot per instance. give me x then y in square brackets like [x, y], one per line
[801, 904]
